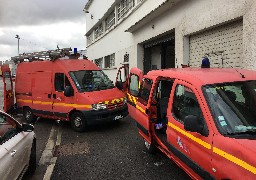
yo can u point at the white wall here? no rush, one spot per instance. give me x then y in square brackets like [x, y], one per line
[97, 8]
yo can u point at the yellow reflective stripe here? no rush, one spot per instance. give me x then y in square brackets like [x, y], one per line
[235, 160]
[57, 104]
[112, 101]
[190, 136]
[41, 102]
[21, 100]
[134, 100]
[81, 106]
[139, 108]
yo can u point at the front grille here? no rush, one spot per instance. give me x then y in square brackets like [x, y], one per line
[115, 105]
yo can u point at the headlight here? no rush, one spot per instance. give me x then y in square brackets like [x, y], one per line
[125, 100]
[98, 106]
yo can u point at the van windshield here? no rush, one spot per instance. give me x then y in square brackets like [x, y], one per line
[233, 107]
[91, 80]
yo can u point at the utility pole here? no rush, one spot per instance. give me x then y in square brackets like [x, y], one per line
[18, 37]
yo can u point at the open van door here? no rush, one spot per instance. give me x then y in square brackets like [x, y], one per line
[122, 78]
[135, 79]
[138, 97]
[8, 96]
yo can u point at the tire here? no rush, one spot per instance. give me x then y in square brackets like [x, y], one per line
[78, 122]
[32, 161]
[28, 115]
[151, 148]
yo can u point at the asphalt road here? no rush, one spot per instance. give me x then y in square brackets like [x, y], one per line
[106, 151]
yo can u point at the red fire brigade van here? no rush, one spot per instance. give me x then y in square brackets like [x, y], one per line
[69, 90]
[203, 119]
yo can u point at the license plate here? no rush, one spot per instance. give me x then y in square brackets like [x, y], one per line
[118, 117]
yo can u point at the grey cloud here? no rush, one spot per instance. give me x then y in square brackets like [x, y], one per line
[34, 12]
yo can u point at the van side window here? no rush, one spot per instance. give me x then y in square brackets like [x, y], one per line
[185, 103]
[145, 91]
[60, 82]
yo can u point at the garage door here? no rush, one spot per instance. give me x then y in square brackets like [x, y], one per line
[222, 45]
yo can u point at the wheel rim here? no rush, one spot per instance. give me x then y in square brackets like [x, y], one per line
[147, 145]
[78, 121]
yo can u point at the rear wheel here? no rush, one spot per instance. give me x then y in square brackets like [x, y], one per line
[151, 148]
[28, 115]
[78, 122]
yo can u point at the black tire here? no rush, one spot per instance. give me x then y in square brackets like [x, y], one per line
[32, 161]
[78, 122]
[151, 148]
[28, 115]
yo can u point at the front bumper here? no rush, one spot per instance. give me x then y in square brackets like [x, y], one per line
[105, 115]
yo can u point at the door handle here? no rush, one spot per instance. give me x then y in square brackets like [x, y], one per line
[13, 152]
[49, 95]
[54, 96]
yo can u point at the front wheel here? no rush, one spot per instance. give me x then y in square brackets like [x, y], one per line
[151, 148]
[78, 122]
[28, 115]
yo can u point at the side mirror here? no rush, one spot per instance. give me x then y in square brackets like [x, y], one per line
[193, 124]
[69, 91]
[119, 85]
[27, 127]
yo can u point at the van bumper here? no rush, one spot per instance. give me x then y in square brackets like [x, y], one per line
[94, 117]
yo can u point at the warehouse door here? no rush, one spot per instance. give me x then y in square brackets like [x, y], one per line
[223, 45]
[159, 53]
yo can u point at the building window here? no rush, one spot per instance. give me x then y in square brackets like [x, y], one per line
[89, 39]
[110, 20]
[126, 57]
[98, 31]
[99, 62]
[110, 61]
[124, 7]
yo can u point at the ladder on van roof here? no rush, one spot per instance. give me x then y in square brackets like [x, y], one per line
[43, 55]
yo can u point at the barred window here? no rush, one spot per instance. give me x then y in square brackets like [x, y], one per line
[98, 31]
[110, 61]
[110, 20]
[126, 57]
[124, 7]
[99, 62]
[89, 39]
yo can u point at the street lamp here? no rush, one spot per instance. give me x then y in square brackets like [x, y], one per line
[18, 37]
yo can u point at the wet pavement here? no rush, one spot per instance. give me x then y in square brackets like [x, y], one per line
[106, 151]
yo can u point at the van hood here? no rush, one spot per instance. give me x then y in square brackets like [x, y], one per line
[104, 96]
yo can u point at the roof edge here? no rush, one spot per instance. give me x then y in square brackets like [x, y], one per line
[88, 4]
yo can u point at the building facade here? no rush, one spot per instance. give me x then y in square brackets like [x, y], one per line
[159, 34]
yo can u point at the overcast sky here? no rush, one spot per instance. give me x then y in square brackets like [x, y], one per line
[41, 25]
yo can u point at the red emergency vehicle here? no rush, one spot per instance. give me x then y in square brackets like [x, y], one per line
[203, 119]
[6, 89]
[67, 89]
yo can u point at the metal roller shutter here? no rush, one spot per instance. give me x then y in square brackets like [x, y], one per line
[223, 45]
